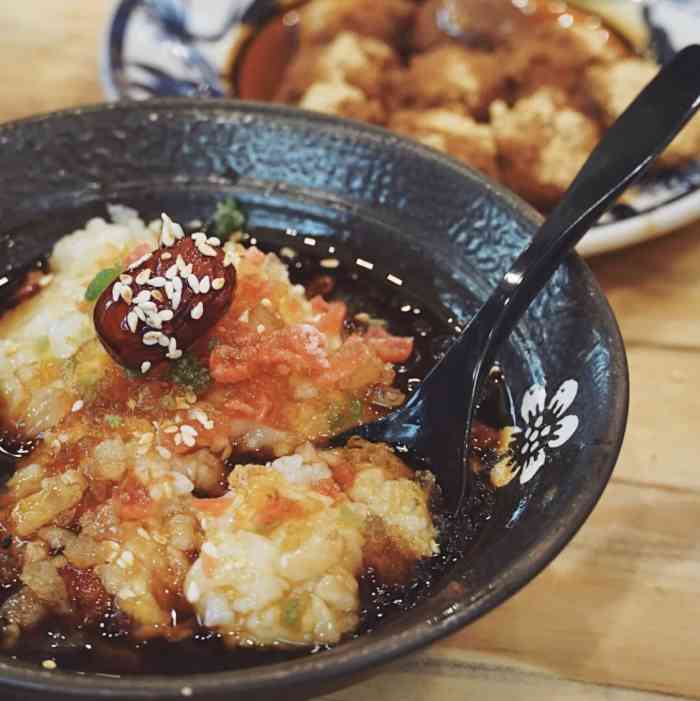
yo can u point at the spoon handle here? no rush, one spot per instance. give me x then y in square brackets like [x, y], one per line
[624, 153]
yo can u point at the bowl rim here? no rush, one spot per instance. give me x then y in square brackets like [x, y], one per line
[344, 663]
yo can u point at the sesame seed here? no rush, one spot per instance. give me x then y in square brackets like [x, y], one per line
[188, 440]
[230, 258]
[127, 293]
[180, 262]
[126, 279]
[44, 280]
[197, 311]
[199, 237]
[140, 314]
[204, 285]
[164, 340]
[178, 439]
[148, 307]
[116, 291]
[218, 282]
[145, 367]
[166, 314]
[77, 406]
[142, 278]
[186, 691]
[153, 320]
[142, 297]
[177, 293]
[143, 533]
[157, 294]
[151, 338]
[170, 231]
[206, 250]
[171, 272]
[193, 283]
[50, 664]
[330, 263]
[244, 317]
[157, 282]
[169, 289]
[170, 429]
[213, 241]
[260, 328]
[186, 429]
[139, 262]
[173, 352]
[203, 419]
[164, 452]
[166, 256]
[288, 252]
[266, 302]
[132, 321]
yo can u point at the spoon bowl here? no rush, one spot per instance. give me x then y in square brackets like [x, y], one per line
[436, 419]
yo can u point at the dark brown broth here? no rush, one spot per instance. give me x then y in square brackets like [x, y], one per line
[107, 648]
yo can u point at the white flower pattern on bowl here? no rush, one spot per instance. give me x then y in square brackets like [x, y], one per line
[546, 427]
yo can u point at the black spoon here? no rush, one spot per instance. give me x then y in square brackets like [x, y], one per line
[435, 420]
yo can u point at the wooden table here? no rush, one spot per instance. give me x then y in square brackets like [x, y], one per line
[615, 617]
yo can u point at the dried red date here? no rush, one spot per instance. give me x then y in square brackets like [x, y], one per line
[164, 302]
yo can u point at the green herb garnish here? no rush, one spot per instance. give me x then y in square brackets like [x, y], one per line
[228, 218]
[100, 283]
[190, 372]
[291, 612]
[113, 421]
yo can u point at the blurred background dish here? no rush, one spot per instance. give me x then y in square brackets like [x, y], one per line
[518, 90]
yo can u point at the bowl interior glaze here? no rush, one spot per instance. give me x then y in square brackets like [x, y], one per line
[446, 231]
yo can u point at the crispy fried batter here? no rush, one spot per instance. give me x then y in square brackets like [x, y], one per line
[361, 62]
[453, 133]
[614, 87]
[343, 100]
[542, 144]
[449, 76]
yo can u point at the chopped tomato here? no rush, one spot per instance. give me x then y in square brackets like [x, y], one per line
[139, 251]
[332, 315]
[212, 507]
[131, 500]
[344, 475]
[329, 488]
[279, 509]
[353, 365]
[391, 349]
[299, 348]
[258, 410]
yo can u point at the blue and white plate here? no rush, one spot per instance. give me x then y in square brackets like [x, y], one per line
[157, 48]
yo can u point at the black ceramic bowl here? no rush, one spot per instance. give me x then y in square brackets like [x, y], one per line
[446, 231]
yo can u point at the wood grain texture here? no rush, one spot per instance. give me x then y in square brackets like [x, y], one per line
[614, 617]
